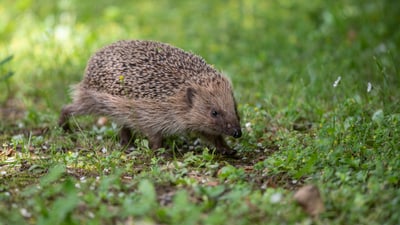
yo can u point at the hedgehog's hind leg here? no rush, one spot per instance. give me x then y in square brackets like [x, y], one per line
[66, 113]
[74, 109]
[155, 140]
[83, 103]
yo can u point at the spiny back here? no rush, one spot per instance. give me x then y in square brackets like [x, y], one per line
[145, 69]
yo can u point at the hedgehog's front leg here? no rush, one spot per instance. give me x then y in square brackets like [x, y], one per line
[125, 136]
[220, 144]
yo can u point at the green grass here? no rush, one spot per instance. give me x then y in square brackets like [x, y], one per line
[283, 58]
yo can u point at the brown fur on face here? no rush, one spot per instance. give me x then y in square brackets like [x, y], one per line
[212, 110]
[157, 90]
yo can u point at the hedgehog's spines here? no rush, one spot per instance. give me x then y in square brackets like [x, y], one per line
[163, 69]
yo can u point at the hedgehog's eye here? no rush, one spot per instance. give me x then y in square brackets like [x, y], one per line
[214, 113]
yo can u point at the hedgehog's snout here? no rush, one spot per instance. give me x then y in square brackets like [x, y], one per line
[237, 133]
[234, 130]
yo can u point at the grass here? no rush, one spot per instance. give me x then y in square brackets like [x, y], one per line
[283, 57]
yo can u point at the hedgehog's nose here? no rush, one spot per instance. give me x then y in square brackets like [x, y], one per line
[237, 133]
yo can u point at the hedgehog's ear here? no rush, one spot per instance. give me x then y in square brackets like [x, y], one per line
[190, 92]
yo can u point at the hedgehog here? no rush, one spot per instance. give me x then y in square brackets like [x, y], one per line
[157, 90]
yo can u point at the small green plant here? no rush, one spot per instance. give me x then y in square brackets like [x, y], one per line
[5, 75]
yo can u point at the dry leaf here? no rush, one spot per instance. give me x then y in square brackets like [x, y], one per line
[310, 199]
